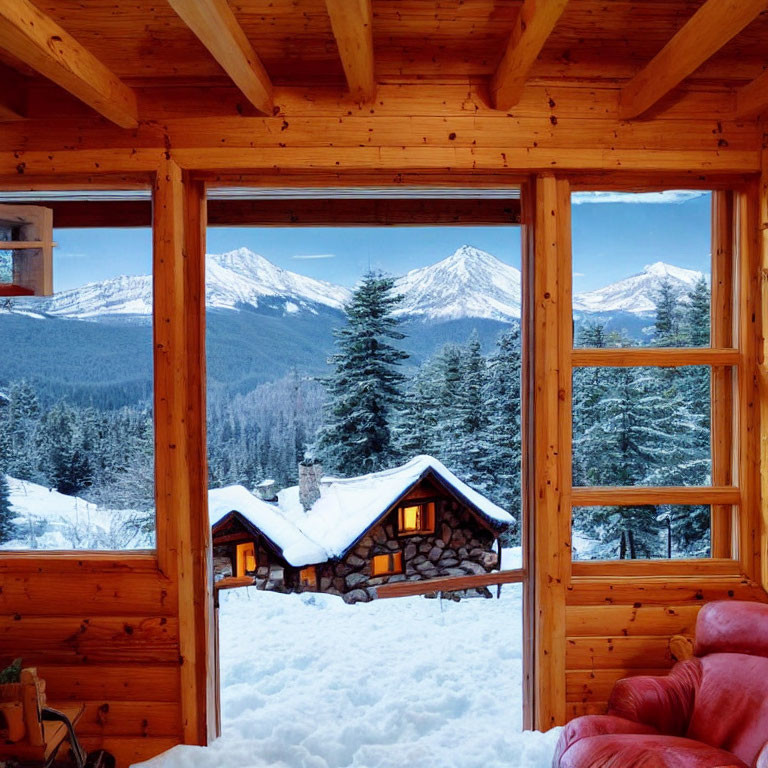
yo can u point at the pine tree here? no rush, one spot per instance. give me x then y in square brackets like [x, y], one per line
[503, 392]
[696, 323]
[365, 389]
[667, 326]
[7, 527]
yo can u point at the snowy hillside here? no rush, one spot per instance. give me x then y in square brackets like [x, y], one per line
[309, 682]
[636, 294]
[47, 519]
[470, 283]
[234, 279]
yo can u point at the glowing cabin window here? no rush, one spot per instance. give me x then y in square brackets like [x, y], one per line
[246, 559]
[385, 565]
[308, 577]
[416, 518]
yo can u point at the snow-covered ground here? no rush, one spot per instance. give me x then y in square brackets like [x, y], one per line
[310, 682]
[47, 519]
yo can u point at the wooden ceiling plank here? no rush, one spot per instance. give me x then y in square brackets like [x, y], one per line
[534, 24]
[38, 41]
[708, 30]
[752, 99]
[352, 24]
[215, 25]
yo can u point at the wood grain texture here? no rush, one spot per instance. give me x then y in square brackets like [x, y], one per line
[610, 652]
[722, 379]
[627, 496]
[54, 640]
[37, 40]
[628, 620]
[747, 205]
[708, 30]
[215, 25]
[655, 356]
[449, 584]
[752, 99]
[352, 24]
[184, 539]
[552, 470]
[534, 24]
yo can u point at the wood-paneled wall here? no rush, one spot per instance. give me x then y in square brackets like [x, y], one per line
[621, 626]
[103, 631]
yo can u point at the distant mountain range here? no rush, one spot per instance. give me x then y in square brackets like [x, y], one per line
[264, 321]
[468, 284]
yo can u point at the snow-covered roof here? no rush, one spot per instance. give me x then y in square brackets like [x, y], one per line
[269, 519]
[346, 509]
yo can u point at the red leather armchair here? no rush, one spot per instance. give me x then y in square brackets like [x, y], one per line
[711, 711]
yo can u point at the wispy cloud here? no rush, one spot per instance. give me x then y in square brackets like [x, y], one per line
[579, 274]
[667, 196]
[306, 256]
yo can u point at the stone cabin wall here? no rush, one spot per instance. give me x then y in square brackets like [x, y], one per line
[460, 546]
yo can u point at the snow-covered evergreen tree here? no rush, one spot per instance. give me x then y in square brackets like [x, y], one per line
[365, 388]
[7, 527]
[503, 441]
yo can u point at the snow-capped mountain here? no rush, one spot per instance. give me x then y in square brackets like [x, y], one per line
[637, 294]
[235, 279]
[470, 283]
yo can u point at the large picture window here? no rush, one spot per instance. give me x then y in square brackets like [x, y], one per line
[77, 455]
[654, 375]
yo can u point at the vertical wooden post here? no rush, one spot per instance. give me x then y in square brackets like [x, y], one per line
[722, 379]
[552, 322]
[528, 506]
[749, 406]
[763, 366]
[183, 530]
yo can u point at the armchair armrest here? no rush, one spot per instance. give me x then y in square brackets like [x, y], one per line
[664, 703]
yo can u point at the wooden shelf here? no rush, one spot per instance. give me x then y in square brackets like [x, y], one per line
[18, 245]
[8, 289]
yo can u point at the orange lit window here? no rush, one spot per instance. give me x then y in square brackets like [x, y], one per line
[246, 559]
[308, 577]
[418, 517]
[384, 565]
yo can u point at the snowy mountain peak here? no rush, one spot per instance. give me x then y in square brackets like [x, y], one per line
[235, 279]
[670, 271]
[469, 283]
[638, 293]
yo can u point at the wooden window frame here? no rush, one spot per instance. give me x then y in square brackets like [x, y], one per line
[730, 357]
[394, 564]
[431, 515]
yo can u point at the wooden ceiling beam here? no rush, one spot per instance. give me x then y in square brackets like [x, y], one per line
[711, 27]
[37, 40]
[534, 24]
[352, 24]
[752, 99]
[215, 25]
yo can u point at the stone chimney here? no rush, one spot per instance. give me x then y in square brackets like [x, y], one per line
[266, 490]
[310, 472]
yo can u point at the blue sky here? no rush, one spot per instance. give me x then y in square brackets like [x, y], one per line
[612, 238]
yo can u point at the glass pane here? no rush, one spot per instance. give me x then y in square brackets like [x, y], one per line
[76, 416]
[642, 532]
[641, 269]
[641, 426]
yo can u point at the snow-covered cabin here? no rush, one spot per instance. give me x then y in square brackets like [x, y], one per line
[349, 536]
